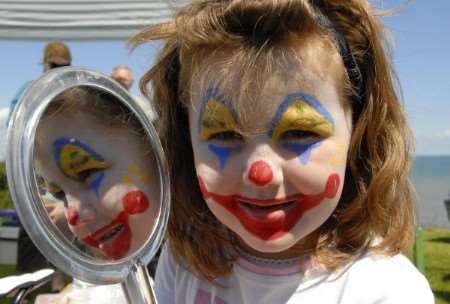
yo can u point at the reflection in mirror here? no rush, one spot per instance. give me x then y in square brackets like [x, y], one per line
[95, 172]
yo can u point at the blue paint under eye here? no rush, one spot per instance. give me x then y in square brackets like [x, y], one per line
[223, 153]
[303, 150]
[95, 184]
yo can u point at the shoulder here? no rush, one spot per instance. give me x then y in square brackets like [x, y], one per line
[392, 279]
[22, 88]
[172, 276]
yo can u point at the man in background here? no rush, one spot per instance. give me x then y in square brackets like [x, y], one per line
[56, 54]
[29, 258]
[124, 76]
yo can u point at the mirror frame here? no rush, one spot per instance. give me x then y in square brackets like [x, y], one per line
[23, 184]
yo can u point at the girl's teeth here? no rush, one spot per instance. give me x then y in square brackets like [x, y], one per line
[111, 233]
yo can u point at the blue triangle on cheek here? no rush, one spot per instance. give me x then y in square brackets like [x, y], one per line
[95, 184]
[223, 153]
[303, 150]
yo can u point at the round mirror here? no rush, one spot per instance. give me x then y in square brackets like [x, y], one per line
[88, 175]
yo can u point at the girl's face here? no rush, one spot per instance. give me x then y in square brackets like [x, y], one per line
[103, 175]
[274, 186]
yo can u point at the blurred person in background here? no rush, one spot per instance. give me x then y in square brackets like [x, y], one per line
[124, 76]
[29, 258]
[56, 54]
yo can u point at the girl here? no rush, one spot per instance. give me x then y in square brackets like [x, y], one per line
[99, 166]
[289, 155]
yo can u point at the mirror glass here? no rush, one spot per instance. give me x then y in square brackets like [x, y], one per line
[95, 172]
[88, 175]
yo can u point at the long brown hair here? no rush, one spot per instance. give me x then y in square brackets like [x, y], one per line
[376, 210]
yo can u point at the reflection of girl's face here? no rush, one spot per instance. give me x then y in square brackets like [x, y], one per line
[103, 176]
[275, 186]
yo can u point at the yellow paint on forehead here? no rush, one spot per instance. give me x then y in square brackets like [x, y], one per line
[299, 115]
[74, 160]
[216, 118]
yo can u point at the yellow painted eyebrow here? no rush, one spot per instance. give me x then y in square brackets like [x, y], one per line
[216, 118]
[299, 115]
[74, 160]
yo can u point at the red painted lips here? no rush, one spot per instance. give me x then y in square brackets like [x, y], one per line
[271, 218]
[114, 239]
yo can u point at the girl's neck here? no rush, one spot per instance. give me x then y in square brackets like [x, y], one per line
[294, 252]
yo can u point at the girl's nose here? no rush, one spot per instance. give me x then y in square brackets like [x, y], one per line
[260, 173]
[82, 215]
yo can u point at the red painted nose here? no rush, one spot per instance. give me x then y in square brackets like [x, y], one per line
[260, 173]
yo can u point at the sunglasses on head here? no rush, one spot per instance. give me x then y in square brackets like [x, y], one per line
[55, 65]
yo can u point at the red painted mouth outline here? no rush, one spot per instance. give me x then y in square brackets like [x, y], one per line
[270, 229]
[117, 246]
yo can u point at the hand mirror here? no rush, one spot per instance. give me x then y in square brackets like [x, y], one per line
[89, 179]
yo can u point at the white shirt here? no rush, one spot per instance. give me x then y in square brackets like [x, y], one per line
[371, 279]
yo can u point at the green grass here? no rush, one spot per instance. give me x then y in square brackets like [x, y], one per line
[437, 262]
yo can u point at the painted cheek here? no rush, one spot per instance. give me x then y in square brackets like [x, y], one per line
[260, 173]
[332, 186]
[72, 216]
[135, 202]
[95, 184]
[222, 153]
[303, 150]
[202, 186]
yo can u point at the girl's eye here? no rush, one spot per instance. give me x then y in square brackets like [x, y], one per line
[85, 174]
[226, 136]
[56, 191]
[300, 135]
[60, 195]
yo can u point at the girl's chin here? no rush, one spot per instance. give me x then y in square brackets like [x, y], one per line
[273, 246]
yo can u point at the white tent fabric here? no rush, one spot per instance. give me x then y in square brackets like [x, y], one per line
[79, 19]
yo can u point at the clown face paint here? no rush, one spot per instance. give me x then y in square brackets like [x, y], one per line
[216, 121]
[102, 174]
[278, 185]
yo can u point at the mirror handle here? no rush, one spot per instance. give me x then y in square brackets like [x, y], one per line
[137, 286]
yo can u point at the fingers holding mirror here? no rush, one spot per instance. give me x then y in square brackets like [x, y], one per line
[97, 173]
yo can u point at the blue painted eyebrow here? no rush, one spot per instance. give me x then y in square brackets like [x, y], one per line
[59, 144]
[215, 92]
[309, 99]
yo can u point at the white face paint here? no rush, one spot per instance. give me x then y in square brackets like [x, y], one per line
[103, 176]
[274, 188]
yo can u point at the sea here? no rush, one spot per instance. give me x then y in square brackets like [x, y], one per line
[431, 178]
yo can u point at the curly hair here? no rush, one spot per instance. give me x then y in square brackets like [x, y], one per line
[376, 209]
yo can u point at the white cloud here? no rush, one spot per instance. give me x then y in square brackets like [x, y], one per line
[445, 134]
[3, 117]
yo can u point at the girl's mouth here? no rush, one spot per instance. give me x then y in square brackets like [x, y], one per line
[113, 232]
[268, 212]
[270, 219]
[114, 239]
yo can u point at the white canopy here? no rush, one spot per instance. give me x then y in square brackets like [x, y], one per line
[80, 19]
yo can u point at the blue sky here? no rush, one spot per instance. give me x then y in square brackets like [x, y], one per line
[421, 60]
